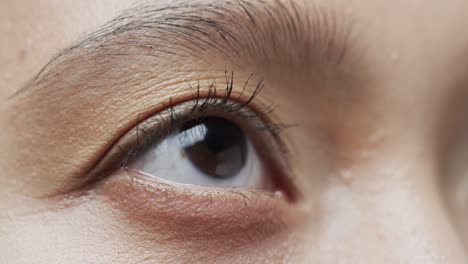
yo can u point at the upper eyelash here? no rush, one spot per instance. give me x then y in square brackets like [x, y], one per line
[203, 106]
[119, 157]
[213, 100]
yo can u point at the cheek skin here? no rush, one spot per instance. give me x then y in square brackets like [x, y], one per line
[200, 222]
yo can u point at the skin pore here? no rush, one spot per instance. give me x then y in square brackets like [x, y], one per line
[368, 131]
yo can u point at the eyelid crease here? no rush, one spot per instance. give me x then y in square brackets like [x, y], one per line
[148, 131]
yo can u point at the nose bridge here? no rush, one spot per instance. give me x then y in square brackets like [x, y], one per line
[385, 216]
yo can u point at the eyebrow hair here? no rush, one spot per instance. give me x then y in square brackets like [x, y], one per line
[257, 32]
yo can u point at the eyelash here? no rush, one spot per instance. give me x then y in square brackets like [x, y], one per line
[203, 106]
[149, 132]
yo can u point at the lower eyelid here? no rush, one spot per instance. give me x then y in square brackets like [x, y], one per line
[200, 213]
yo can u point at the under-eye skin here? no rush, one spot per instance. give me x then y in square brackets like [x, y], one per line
[215, 141]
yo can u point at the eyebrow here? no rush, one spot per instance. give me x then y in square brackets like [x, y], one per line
[244, 32]
[158, 35]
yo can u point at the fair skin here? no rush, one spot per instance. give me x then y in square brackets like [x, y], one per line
[371, 94]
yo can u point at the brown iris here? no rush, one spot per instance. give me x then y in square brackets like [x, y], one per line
[215, 146]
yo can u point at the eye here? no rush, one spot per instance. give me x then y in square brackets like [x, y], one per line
[207, 141]
[208, 151]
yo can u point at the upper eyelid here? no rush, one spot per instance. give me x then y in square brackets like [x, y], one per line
[158, 123]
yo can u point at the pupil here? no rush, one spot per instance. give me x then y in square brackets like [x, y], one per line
[215, 146]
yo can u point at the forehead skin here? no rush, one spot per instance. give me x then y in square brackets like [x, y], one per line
[413, 58]
[25, 50]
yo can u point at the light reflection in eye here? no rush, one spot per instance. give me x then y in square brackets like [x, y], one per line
[210, 152]
[192, 136]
